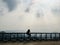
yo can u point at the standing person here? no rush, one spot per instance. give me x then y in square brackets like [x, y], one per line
[28, 33]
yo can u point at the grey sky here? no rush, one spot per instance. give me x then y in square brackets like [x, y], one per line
[56, 11]
[38, 15]
[11, 4]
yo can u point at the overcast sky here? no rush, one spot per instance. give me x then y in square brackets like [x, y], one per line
[38, 15]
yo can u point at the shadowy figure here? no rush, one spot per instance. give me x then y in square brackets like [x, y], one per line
[28, 33]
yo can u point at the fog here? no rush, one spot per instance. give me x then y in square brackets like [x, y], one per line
[36, 15]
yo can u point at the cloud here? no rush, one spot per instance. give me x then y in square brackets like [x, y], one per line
[3, 8]
[1, 12]
[12, 4]
[39, 16]
[27, 10]
[56, 11]
[39, 13]
[27, 5]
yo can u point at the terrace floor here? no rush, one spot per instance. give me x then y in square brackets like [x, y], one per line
[32, 43]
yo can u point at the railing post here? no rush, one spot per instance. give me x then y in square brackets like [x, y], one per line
[46, 36]
[10, 36]
[36, 36]
[2, 36]
[55, 36]
[59, 36]
[17, 36]
[24, 36]
[41, 36]
[50, 36]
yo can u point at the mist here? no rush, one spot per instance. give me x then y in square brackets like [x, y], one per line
[36, 15]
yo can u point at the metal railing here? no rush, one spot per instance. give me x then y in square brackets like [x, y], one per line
[34, 36]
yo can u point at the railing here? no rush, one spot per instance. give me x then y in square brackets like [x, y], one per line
[25, 37]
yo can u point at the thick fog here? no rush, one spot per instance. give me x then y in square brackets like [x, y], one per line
[36, 15]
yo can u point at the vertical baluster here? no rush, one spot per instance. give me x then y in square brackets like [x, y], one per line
[41, 36]
[10, 36]
[50, 36]
[55, 36]
[17, 36]
[36, 36]
[2, 36]
[21, 36]
[24, 36]
[59, 36]
[46, 36]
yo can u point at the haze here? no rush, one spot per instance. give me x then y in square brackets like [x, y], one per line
[37, 15]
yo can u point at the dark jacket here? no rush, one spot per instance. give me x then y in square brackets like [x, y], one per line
[28, 32]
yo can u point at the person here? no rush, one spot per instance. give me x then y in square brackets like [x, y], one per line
[28, 33]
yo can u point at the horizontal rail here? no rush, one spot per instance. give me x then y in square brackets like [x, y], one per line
[32, 33]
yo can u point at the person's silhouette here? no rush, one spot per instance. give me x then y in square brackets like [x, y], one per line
[28, 33]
